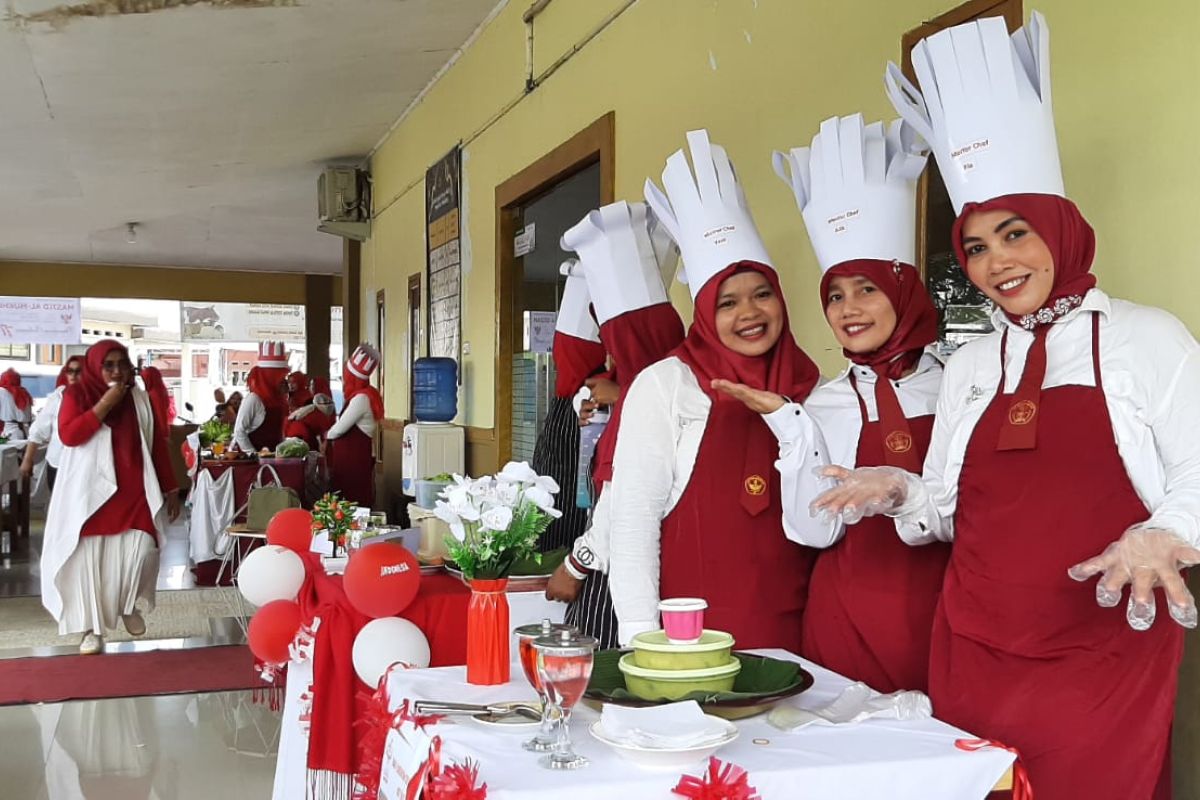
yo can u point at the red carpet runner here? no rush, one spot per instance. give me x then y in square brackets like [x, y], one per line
[52, 679]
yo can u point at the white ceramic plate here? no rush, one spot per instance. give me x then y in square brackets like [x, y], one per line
[510, 721]
[654, 758]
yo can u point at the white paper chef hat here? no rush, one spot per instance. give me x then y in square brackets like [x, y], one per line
[986, 109]
[574, 312]
[856, 189]
[620, 259]
[706, 214]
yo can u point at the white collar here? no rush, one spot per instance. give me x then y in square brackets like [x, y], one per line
[866, 375]
[1094, 300]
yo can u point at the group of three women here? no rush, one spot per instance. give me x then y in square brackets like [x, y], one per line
[1061, 446]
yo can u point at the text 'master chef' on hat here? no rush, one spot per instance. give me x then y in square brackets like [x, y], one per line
[272, 355]
[984, 108]
[705, 212]
[856, 189]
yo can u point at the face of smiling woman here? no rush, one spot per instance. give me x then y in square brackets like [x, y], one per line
[861, 316]
[1008, 261]
[749, 315]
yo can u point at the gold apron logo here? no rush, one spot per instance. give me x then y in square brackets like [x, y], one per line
[755, 485]
[898, 442]
[1022, 413]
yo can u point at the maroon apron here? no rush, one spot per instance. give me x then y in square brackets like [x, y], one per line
[1021, 653]
[872, 597]
[352, 467]
[270, 433]
[754, 578]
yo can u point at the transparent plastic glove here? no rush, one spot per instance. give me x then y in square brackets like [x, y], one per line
[862, 492]
[1145, 558]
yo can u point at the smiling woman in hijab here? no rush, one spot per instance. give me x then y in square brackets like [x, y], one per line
[116, 492]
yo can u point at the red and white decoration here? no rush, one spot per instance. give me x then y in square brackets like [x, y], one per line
[272, 355]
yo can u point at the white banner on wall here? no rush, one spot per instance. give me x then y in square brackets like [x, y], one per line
[241, 322]
[40, 320]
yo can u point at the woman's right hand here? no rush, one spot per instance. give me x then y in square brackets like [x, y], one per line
[862, 492]
[109, 400]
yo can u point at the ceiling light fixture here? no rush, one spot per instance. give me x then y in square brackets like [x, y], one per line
[131, 232]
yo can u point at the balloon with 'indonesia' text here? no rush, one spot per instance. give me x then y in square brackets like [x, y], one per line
[382, 579]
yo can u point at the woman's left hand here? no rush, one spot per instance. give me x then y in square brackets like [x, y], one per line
[1145, 558]
[757, 400]
[174, 505]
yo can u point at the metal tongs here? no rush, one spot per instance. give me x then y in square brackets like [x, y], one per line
[495, 710]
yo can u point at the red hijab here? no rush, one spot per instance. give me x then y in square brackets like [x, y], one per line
[1057, 220]
[785, 370]
[91, 385]
[1072, 245]
[353, 385]
[575, 360]
[265, 382]
[321, 386]
[298, 394]
[160, 398]
[10, 379]
[62, 373]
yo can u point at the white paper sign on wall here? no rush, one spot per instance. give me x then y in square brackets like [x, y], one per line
[539, 331]
[40, 320]
[525, 241]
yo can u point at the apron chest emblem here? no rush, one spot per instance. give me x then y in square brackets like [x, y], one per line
[898, 442]
[1022, 413]
[755, 485]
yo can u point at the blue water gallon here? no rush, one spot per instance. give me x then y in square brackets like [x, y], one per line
[435, 389]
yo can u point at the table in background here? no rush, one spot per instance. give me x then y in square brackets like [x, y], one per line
[302, 475]
[14, 505]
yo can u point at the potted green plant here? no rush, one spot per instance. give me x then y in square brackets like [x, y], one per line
[333, 515]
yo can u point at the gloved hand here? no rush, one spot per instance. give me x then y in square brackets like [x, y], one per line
[1145, 558]
[862, 492]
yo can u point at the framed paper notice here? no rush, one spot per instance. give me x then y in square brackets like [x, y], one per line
[443, 201]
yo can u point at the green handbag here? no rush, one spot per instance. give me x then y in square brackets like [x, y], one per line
[266, 500]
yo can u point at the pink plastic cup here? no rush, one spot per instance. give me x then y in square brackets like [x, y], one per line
[683, 619]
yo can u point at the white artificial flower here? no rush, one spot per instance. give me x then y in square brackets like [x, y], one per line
[517, 472]
[458, 531]
[497, 518]
[543, 500]
[479, 487]
[461, 505]
[546, 484]
[442, 511]
[507, 493]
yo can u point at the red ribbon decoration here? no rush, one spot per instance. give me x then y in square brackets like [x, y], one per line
[457, 782]
[720, 782]
[378, 720]
[1022, 789]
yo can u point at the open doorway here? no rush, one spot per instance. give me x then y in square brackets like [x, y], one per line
[963, 311]
[533, 209]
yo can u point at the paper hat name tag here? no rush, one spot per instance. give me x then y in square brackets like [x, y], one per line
[575, 309]
[855, 186]
[985, 108]
[705, 212]
[619, 258]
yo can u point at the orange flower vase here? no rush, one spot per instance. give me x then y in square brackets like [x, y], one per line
[488, 633]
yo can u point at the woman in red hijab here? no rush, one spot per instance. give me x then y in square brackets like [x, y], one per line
[312, 420]
[16, 405]
[116, 491]
[261, 416]
[1065, 446]
[297, 390]
[695, 499]
[160, 396]
[44, 431]
[351, 440]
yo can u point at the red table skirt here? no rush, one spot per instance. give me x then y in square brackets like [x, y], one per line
[440, 611]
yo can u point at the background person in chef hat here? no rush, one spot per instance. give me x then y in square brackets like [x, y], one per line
[116, 492]
[1065, 442]
[872, 598]
[628, 260]
[260, 417]
[695, 502]
[351, 440]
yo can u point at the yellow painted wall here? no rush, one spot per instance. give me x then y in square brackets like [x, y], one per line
[761, 75]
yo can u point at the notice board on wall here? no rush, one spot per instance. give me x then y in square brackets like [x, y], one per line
[443, 203]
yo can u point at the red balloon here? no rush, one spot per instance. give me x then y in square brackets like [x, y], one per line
[382, 579]
[291, 528]
[272, 629]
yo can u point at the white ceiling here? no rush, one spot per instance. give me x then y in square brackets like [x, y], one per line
[204, 121]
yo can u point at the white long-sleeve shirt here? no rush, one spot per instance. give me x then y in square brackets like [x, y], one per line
[44, 429]
[1150, 369]
[251, 415]
[358, 414]
[825, 430]
[13, 421]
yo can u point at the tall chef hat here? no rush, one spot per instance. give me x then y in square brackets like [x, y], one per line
[856, 189]
[625, 260]
[272, 355]
[574, 312]
[705, 212]
[984, 107]
[363, 361]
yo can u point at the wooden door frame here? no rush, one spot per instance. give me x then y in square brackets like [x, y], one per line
[414, 343]
[594, 144]
[1013, 14]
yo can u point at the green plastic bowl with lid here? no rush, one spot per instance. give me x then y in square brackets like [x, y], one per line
[653, 650]
[672, 684]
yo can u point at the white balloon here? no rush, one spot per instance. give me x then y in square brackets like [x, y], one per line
[270, 573]
[385, 641]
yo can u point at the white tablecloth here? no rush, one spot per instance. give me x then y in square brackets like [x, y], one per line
[914, 760]
[291, 766]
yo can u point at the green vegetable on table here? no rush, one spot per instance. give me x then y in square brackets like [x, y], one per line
[213, 432]
[441, 477]
[292, 447]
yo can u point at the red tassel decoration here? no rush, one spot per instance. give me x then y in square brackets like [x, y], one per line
[1022, 789]
[720, 782]
[457, 782]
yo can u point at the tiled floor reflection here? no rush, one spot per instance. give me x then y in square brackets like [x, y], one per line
[182, 747]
